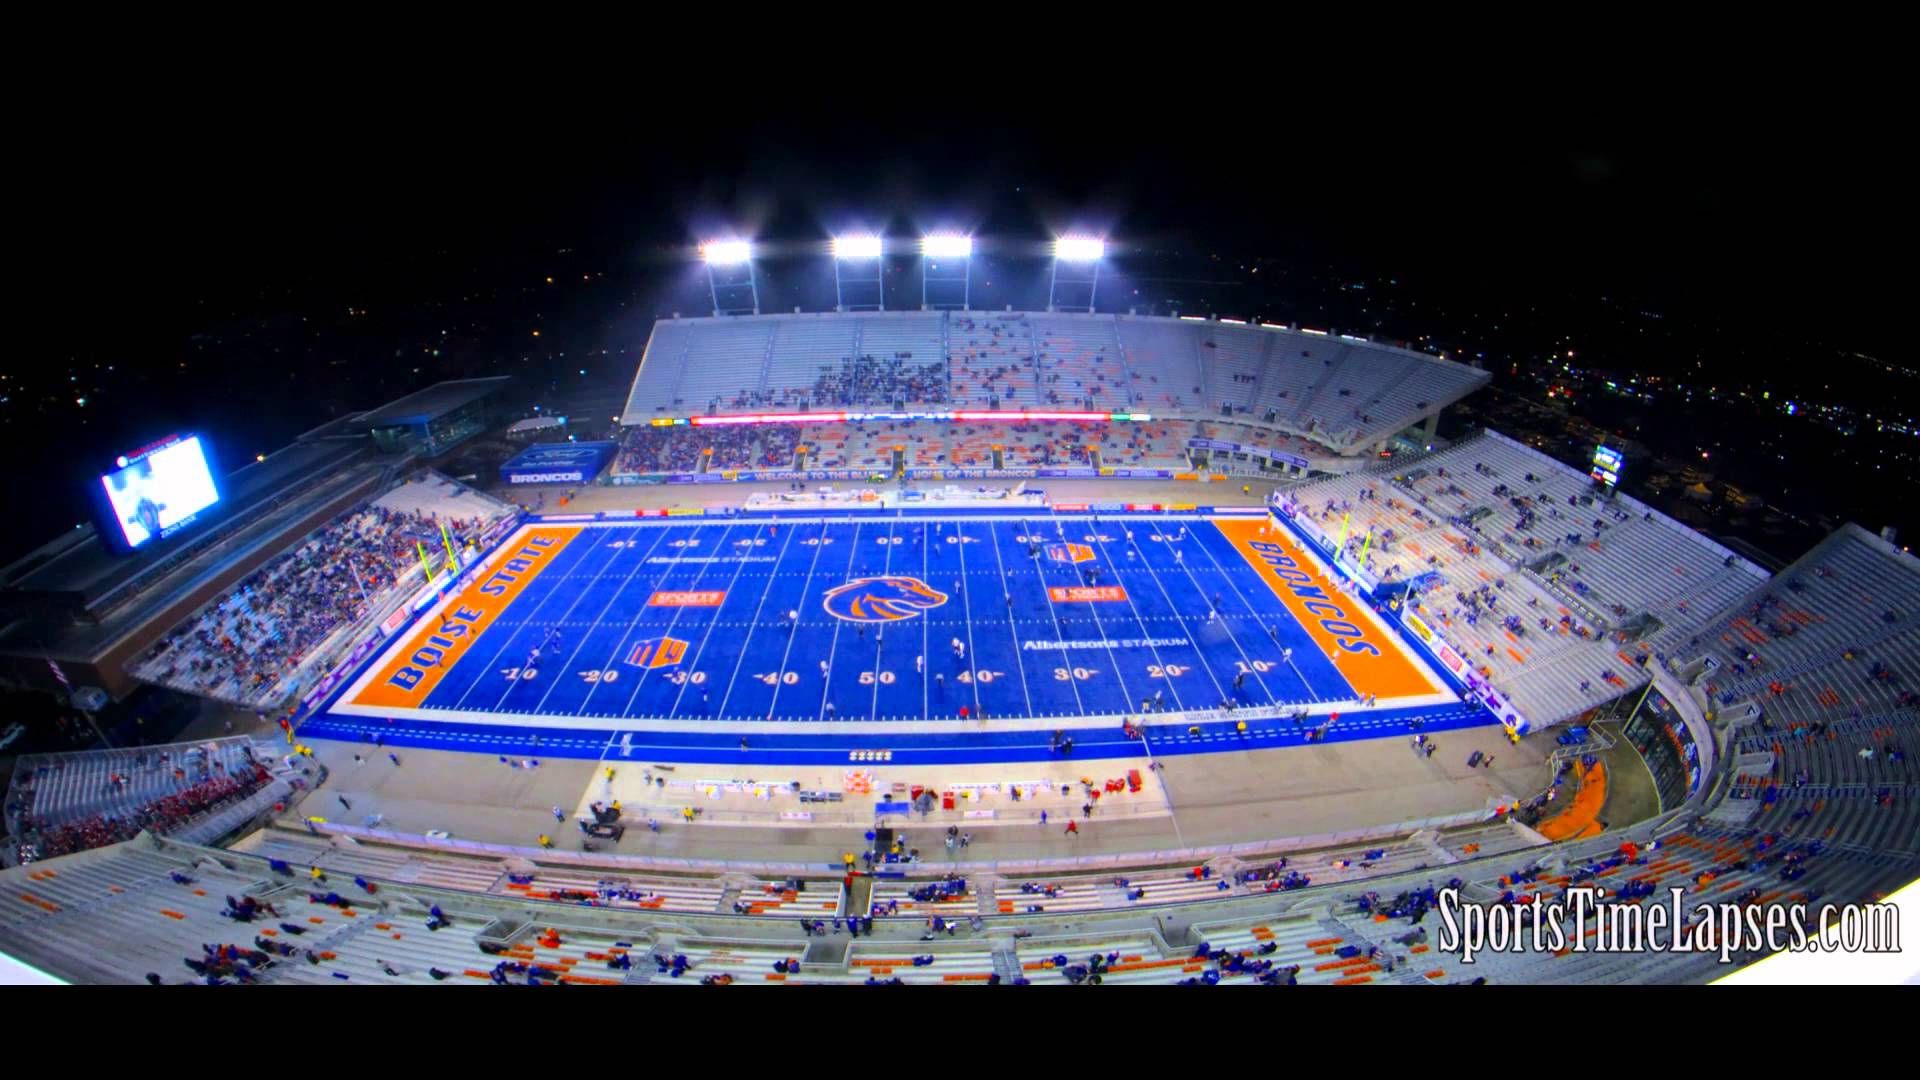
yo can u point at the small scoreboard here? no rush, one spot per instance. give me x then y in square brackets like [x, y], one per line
[1606, 465]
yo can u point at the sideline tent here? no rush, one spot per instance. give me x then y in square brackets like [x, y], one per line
[558, 463]
[533, 425]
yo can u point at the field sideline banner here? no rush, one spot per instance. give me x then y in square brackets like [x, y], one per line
[881, 475]
[1251, 451]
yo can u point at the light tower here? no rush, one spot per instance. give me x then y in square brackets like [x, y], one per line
[853, 256]
[1081, 255]
[946, 260]
[730, 270]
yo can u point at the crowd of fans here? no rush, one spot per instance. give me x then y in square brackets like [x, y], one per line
[987, 364]
[216, 786]
[1033, 444]
[244, 647]
[869, 444]
[648, 449]
[777, 447]
[733, 447]
[880, 381]
[678, 449]
[1076, 375]
[891, 380]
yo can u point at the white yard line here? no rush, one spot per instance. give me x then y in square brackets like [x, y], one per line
[772, 573]
[609, 665]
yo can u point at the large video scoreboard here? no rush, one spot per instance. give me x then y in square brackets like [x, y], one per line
[155, 492]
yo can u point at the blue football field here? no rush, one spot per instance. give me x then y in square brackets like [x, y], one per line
[684, 632]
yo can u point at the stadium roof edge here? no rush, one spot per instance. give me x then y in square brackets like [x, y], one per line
[1855, 530]
[433, 402]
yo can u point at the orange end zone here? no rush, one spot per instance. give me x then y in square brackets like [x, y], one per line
[405, 680]
[1322, 609]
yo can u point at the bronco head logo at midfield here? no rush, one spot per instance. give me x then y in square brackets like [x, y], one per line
[882, 599]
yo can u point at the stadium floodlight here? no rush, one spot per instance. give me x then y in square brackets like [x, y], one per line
[1079, 249]
[1084, 254]
[730, 273]
[856, 247]
[726, 252]
[866, 278]
[947, 245]
[946, 268]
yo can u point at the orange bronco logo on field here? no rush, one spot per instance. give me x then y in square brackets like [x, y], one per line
[882, 599]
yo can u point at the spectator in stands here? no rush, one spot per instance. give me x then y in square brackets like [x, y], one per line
[162, 815]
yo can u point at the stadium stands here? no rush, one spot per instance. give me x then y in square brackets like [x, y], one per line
[870, 444]
[1233, 360]
[1355, 921]
[1079, 363]
[992, 358]
[263, 642]
[722, 357]
[1834, 632]
[1162, 358]
[1555, 594]
[63, 803]
[1817, 669]
[1282, 384]
[804, 352]
[659, 372]
[1561, 598]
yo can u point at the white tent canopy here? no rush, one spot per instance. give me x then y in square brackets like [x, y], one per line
[535, 423]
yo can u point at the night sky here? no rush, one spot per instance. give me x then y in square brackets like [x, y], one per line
[252, 283]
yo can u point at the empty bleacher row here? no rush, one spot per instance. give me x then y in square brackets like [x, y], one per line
[901, 898]
[1184, 885]
[958, 898]
[494, 876]
[165, 904]
[1345, 393]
